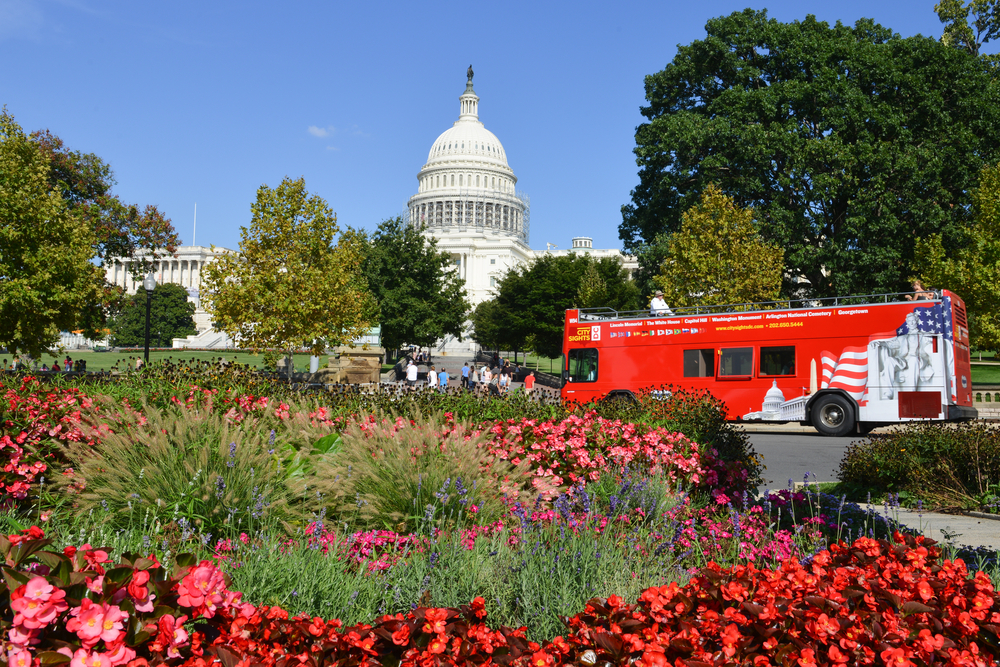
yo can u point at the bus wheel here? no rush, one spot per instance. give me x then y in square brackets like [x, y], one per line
[833, 415]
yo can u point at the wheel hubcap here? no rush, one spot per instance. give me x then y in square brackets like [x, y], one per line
[832, 416]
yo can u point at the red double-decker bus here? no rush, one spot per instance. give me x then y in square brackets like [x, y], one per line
[842, 364]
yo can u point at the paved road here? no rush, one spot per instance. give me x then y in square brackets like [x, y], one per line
[790, 455]
[790, 452]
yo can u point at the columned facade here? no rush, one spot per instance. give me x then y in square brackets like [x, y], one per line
[467, 199]
[182, 268]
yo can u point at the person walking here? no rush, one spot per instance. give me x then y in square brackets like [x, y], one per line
[411, 374]
[443, 378]
[494, 385]
[465, 376]
[529, 383]
[474, 379]
[486, 377]
[432, 378]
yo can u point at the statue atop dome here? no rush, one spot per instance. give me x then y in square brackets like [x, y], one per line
[469, 72]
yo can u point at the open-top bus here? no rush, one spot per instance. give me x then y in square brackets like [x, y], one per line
[842, 364]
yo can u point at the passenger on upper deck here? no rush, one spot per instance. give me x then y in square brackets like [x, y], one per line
[658, 307]
[920, 293]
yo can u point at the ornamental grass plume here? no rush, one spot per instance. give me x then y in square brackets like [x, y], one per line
[402, 474]
[191, 465]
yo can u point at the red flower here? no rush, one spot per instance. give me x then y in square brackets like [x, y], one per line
[653, 659]
[541, 659]
[401, 637]
[438, 645]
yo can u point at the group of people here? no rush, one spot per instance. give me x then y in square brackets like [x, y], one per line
[67, 366]
[494, 381]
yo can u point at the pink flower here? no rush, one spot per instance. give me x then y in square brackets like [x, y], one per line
[111, 627]
[204, 587]
[19, 658]
[84, 658]
[87, 623]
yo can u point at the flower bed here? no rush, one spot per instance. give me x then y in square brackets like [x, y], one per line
[872, 602]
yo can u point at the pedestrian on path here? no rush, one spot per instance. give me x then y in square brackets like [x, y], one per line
[474, 379]
[529, 383]
[411, 374]
[443, 378]
[432, 378]
[465, 376]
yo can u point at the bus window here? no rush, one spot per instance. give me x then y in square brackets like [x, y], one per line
[736, 362]
[583, 365]
[699, 363]
[777, 360]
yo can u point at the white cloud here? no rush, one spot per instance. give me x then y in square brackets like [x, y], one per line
[332, 148]
[322, 131]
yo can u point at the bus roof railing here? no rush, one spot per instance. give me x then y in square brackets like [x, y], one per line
[595, 314]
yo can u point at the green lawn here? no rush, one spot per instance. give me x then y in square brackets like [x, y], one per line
[985, 374]
[104, 361]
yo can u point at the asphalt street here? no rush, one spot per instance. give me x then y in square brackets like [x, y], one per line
[790, 455]
[790, 452]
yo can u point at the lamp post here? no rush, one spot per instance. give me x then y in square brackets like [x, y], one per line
[149, 284]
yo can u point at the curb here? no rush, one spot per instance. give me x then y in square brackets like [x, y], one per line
[983, 515]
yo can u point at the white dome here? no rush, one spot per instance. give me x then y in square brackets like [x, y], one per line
[467, 184]
[773, 398]
[467, 140]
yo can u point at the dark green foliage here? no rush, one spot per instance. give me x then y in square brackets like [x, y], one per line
[170, 316]
[941, 463]
[420, 298]
[532, 300]
[848, 142]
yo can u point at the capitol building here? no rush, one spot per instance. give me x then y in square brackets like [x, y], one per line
[467, 199]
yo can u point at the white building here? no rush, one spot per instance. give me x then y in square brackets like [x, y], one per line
[182, 268]
[467, 199]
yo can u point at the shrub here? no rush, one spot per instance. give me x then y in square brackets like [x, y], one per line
[392, 473]
[196, 467]
[946, 464]
[702, 418]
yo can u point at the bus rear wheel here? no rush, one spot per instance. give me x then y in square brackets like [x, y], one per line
[833, 415]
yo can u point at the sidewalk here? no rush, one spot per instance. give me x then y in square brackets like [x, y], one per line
[981, 530]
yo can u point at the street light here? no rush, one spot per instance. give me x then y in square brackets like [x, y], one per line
[149, 284]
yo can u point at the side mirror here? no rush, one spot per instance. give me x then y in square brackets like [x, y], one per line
[565, 375]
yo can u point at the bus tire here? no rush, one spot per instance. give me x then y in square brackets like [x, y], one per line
[833, 415]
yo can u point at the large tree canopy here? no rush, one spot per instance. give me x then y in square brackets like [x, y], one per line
[848, 142]
[420, 296]
[296, 282]
[170, 316]
[972, 269]
[85, 180]
[46, 277]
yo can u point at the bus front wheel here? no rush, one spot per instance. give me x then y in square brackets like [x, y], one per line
[833, 415]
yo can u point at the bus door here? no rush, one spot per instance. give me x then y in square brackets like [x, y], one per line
[907, 378]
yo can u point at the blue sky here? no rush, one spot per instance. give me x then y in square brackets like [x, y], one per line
[202, 102]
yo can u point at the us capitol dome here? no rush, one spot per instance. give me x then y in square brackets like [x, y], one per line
[467, 199]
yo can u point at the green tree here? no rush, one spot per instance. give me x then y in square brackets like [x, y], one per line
[120, 230]
[292, 285]
[46, 277]
[848, 142]
[532, 300]
[717, 257]
[493, 331]
[420, 296]
[969, 24]
[970, 266]
[170, 316]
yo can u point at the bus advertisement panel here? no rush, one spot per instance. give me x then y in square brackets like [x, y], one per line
[842, 368]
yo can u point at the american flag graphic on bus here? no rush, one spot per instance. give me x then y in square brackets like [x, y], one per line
[849, 372]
